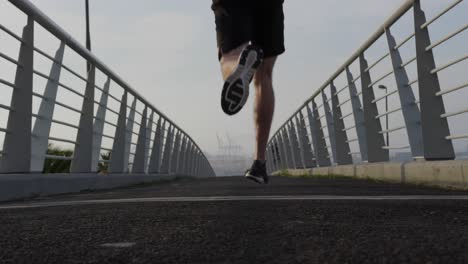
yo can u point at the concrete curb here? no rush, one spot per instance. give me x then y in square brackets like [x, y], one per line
[19, 186]
[446, 174]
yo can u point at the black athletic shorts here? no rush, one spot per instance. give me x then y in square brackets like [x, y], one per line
[258, 21]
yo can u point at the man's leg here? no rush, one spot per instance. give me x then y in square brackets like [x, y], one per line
[264, 105]
[229, 60]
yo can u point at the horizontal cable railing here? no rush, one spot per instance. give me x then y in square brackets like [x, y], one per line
[351, 124]
[126, 134]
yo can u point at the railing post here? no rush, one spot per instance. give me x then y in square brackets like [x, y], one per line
[41, 130]
[175, 153]
[129, 134]
[98, 126]
[204, 170]
[293, 146]
[410, 109]
[183, 156]
[17, 146]
[434, 128]
[139, 161]
[155, 160]
[116, 164]
[180, 158]
[276, 154]
[375, 140]
[307, 152]
[318, 138]
[330, 125]
[149, 131]
[83, 155]
[343, 156]
[187, 158]
[298, 142]
[200, 164]
[273, 154]
[287, 148]
[283, 156]
[167, 151]
[268, 159]
[196, 157]
[358, 114]
[189, 170]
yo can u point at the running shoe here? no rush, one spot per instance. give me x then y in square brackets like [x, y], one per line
[257, 172]
[236, 87]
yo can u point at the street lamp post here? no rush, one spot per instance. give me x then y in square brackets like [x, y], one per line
[386, 111]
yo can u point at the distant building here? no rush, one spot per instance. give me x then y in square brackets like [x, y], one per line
[230, 159]
[229, 165]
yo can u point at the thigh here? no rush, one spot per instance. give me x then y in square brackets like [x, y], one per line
[234, 23]
[269, 27]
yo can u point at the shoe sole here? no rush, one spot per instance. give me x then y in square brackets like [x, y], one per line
[255, 179]
[236, 87]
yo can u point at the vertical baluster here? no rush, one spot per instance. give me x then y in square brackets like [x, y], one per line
[183, 156]
[307, 154]
[343, 156]
[156, 154]
[188, 165]
[269, 162]
[273, 157]
[295, 146]
[129, 134]
[43, 124]
[434, 128]
[330, 125]
[410, 109]
[358, 114]
[149, 132]
[116, 164]
[139, 161]
[83, 155]
[287, 148]
[284, 156]
[375, 140]
[318, 138]
[99, 125]
[167, 151]
[175, 153]
[17, 147]
[277, 151]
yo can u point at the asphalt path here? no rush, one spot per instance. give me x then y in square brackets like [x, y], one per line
[231, 220]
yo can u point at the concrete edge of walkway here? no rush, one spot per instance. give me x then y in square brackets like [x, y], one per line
[22, 186]
[445, 174]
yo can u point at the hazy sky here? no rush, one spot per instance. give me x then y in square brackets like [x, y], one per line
[166, 50]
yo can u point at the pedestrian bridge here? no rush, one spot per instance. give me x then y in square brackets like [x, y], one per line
[131, 186]
[393, 87]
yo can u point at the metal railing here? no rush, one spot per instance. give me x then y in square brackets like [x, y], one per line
[137, 137]
[344, 125]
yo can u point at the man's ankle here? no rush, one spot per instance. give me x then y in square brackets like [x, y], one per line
[261, 162]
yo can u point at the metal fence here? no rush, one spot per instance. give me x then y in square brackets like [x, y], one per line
[352, 117]
[109, 125]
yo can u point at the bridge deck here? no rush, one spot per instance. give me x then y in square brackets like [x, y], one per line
[311, 228]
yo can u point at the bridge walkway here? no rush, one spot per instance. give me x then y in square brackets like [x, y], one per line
[231, 220]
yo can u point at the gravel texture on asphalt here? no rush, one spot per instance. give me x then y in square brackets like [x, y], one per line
[434, 231]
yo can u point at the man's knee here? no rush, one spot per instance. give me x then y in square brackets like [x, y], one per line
[264, 75]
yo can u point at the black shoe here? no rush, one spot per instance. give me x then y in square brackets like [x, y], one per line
[257, 172]
[236, 87]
